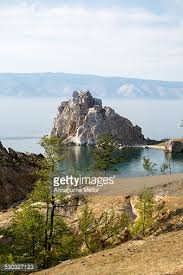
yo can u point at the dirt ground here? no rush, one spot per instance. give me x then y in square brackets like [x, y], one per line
[160, 255]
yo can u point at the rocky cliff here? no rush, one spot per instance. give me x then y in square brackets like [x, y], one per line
[174, 146]
[83, 118]
[16, 175]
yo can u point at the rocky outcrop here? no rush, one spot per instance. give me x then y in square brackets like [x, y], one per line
[82, 120]
[16, 175]
[174, 146]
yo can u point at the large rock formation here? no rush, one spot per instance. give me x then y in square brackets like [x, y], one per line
[16, 175]
[82, 119]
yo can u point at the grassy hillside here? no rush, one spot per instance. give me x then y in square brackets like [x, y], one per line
[154, 256]
[150, 255]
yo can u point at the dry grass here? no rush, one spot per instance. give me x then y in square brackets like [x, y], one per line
[155, 256]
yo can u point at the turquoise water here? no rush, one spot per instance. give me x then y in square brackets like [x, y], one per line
[79, 159]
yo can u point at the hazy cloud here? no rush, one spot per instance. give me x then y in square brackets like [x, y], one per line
[133, 42]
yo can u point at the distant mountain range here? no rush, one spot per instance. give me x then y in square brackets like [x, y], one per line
[63, 84]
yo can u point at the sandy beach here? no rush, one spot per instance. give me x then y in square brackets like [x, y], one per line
[130, 186]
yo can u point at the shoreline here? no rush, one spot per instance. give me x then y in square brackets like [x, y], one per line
[132, 186]
[156, 147]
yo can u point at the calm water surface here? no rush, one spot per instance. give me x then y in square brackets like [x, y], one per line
[79, 160]
[33, 117]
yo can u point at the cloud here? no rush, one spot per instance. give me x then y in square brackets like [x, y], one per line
[117, 41]
[127, 90]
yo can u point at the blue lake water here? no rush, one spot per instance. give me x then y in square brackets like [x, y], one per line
[79, 160]
[33, 117]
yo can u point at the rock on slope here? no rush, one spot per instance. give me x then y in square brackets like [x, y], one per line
[82, 119]
[16, 175]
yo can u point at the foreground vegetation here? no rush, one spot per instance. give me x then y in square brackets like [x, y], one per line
[31, 237]
[44, 229]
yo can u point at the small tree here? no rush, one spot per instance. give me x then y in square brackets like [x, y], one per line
[65, 240]
[57, 234]
[149, 166]
[145, 206]
[87, 227]
[103, 231]
[27, 228]
[28, 244]
[53, 148]
[107, 153]
[166, 168]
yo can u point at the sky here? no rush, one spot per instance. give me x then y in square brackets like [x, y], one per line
[134, 38]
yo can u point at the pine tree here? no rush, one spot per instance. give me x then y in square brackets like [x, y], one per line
[107, 153]
[145, 206]
[27, 230]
